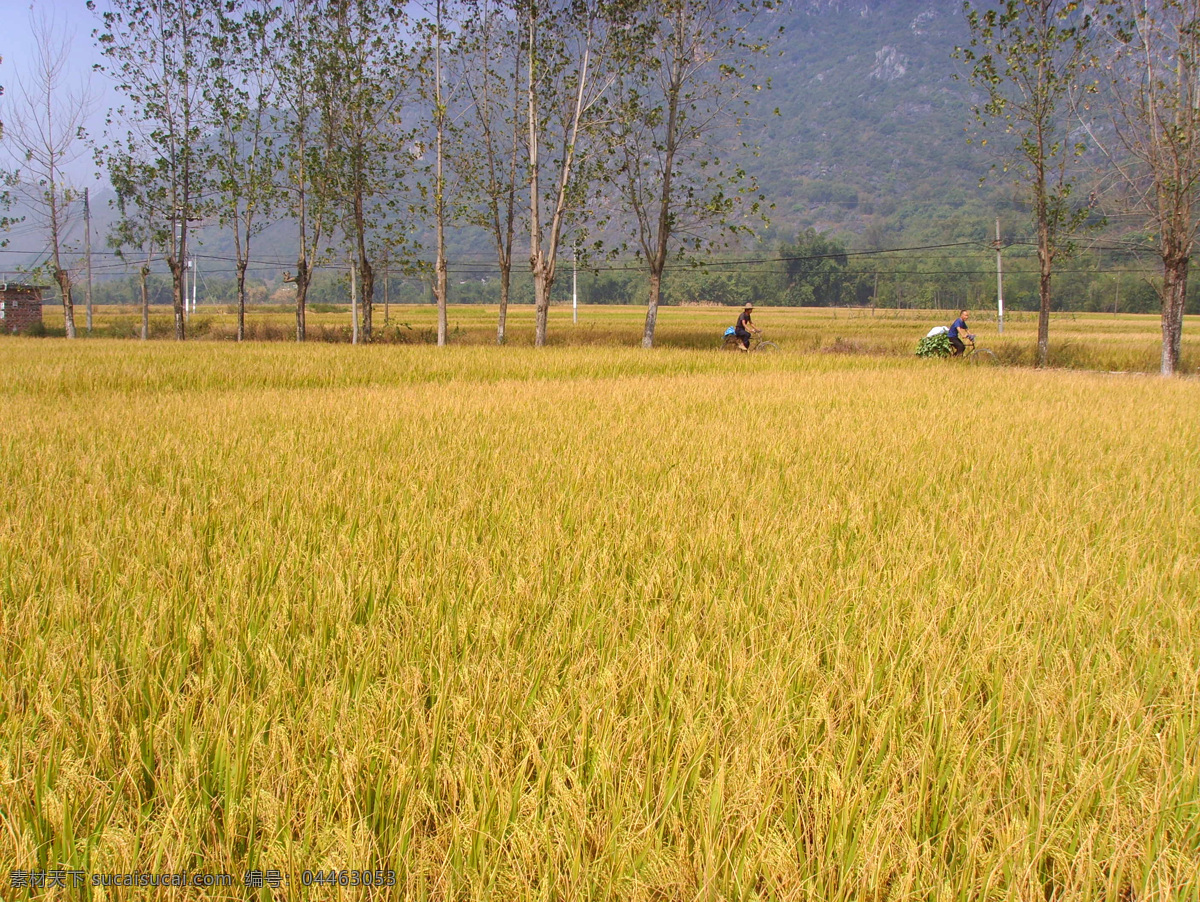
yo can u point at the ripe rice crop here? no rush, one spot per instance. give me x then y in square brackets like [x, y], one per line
[592, 623]
[1128, 342]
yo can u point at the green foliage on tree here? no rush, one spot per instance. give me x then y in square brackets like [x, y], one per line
[307, 186]
[815, 269]
[137, 234]
[487, 153]
[160, 57]
[246, 50]
[572, 60]
[362, 67]
[690, 70]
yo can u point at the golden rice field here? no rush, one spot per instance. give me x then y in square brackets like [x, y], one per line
[1128, 342]
[592, 623]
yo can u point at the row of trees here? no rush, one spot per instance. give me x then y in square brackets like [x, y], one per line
[597, 127]
[1117, 80]
[813, 270]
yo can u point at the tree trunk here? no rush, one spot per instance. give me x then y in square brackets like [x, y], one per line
[302, 272]
[652, 307]
[63, 278]
[1043, 339]
[439, 267]
[145, 304]
[241, 295]
[542, 283]
[1045, 260]
[87, 244]
[61, 275]
[301, 298]
[368, 295]
[365, 272]
[541, 264]
[443, 316]
[1174, 300]
[177, 297]
[505, 277]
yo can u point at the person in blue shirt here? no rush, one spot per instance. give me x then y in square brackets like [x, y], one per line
[959, 325]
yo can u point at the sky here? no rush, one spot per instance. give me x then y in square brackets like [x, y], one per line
[74, 22]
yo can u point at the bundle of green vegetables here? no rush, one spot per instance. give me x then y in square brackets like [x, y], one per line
[934, 346]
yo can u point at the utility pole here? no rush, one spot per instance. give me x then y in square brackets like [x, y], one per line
[195, 280]
[187, 267]
[575, 288]
[87, 249]
[999, 280]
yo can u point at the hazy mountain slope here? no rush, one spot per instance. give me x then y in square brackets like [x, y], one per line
[871, 123]
[869, 137]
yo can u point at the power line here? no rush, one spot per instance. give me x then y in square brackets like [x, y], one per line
[468, 268]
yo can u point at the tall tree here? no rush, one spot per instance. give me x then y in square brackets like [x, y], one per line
[357, 80]
[573, 52]
[1152, 103]
[241, 92]
[487, 155]
[440, 127]
[691, 70]
[307, 191]
[46, 137]
[159, 58]
[436, 42]
[1029, 57]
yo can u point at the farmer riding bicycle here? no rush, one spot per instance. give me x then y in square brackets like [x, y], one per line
[959, 325]
[745, 327]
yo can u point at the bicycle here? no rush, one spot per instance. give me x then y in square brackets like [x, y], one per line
[733, 343]
[977, 356]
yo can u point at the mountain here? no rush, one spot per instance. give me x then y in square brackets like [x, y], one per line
[868, 141]
[871, 119]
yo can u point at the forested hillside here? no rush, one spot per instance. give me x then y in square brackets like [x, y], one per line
[870, 132]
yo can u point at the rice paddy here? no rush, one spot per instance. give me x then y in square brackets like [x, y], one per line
[595, 623]
[1127, 342]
